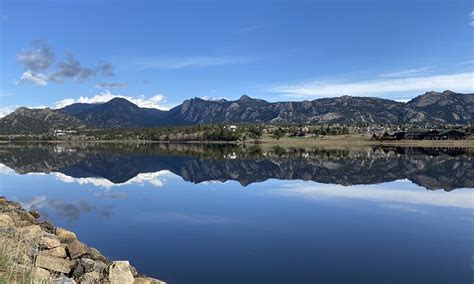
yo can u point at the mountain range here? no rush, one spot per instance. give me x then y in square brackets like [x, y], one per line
[430, 108]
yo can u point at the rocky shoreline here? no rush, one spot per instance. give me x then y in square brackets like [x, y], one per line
[35, 251]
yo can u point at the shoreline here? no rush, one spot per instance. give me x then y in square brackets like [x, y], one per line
[33, 250]
[331, 141]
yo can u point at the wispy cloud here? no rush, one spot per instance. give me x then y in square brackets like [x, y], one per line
[406, 73]
[104, 85]
[471, 17]
[190, 62]
[461, 82]
[155, 101]
[468, 62]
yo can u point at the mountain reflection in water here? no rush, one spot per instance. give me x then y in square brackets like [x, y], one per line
[111, 164]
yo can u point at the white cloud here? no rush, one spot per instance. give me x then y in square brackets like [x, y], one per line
[192, 61]
[406, 73]
[32, 77]
[156, 179]
[105, 96]
[37, 202]
[6, 170]
[9, 109]
[210, 98]
[471, 16]
[461, 198]
[460, 82]
[6, 110]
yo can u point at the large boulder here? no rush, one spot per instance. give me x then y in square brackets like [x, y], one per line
[6, 221]
[40, 274]
[59, 252]
[119, 273]
[55, 264]
[76, 249]
[48, 241]
[31, 232]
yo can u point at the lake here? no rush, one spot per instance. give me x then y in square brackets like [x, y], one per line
[188, 213]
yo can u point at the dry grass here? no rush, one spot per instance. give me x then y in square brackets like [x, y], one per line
[12, 250]
[14, 266]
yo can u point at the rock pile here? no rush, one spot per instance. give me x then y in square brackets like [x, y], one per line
[55, 255]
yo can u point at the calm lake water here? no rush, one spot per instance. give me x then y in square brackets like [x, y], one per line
[233, 214]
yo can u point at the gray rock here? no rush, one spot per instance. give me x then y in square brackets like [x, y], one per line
[88, 264]
[59, 251]
[48, 241]
[76, 249]
[40, 273]
[35, 214]
[100, 267]
[47, 226]
[78, 270]
[25, 216]
[54, 263]
[90, 278]
[119, 273]
[6, 220]
[63, 280]
[31, 232]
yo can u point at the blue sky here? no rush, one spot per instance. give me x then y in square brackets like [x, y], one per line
[158, 53]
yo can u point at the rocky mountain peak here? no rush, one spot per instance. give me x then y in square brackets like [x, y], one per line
[245, 98]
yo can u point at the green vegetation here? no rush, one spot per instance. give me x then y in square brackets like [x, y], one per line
[242, 133]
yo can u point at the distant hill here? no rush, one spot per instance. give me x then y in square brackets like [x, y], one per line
[431, 107]
[24, 120]
[116, 113]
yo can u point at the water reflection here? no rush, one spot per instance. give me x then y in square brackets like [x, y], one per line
[180, 212]
[109, 165]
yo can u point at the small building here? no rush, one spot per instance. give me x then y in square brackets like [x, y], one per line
[232, 128]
